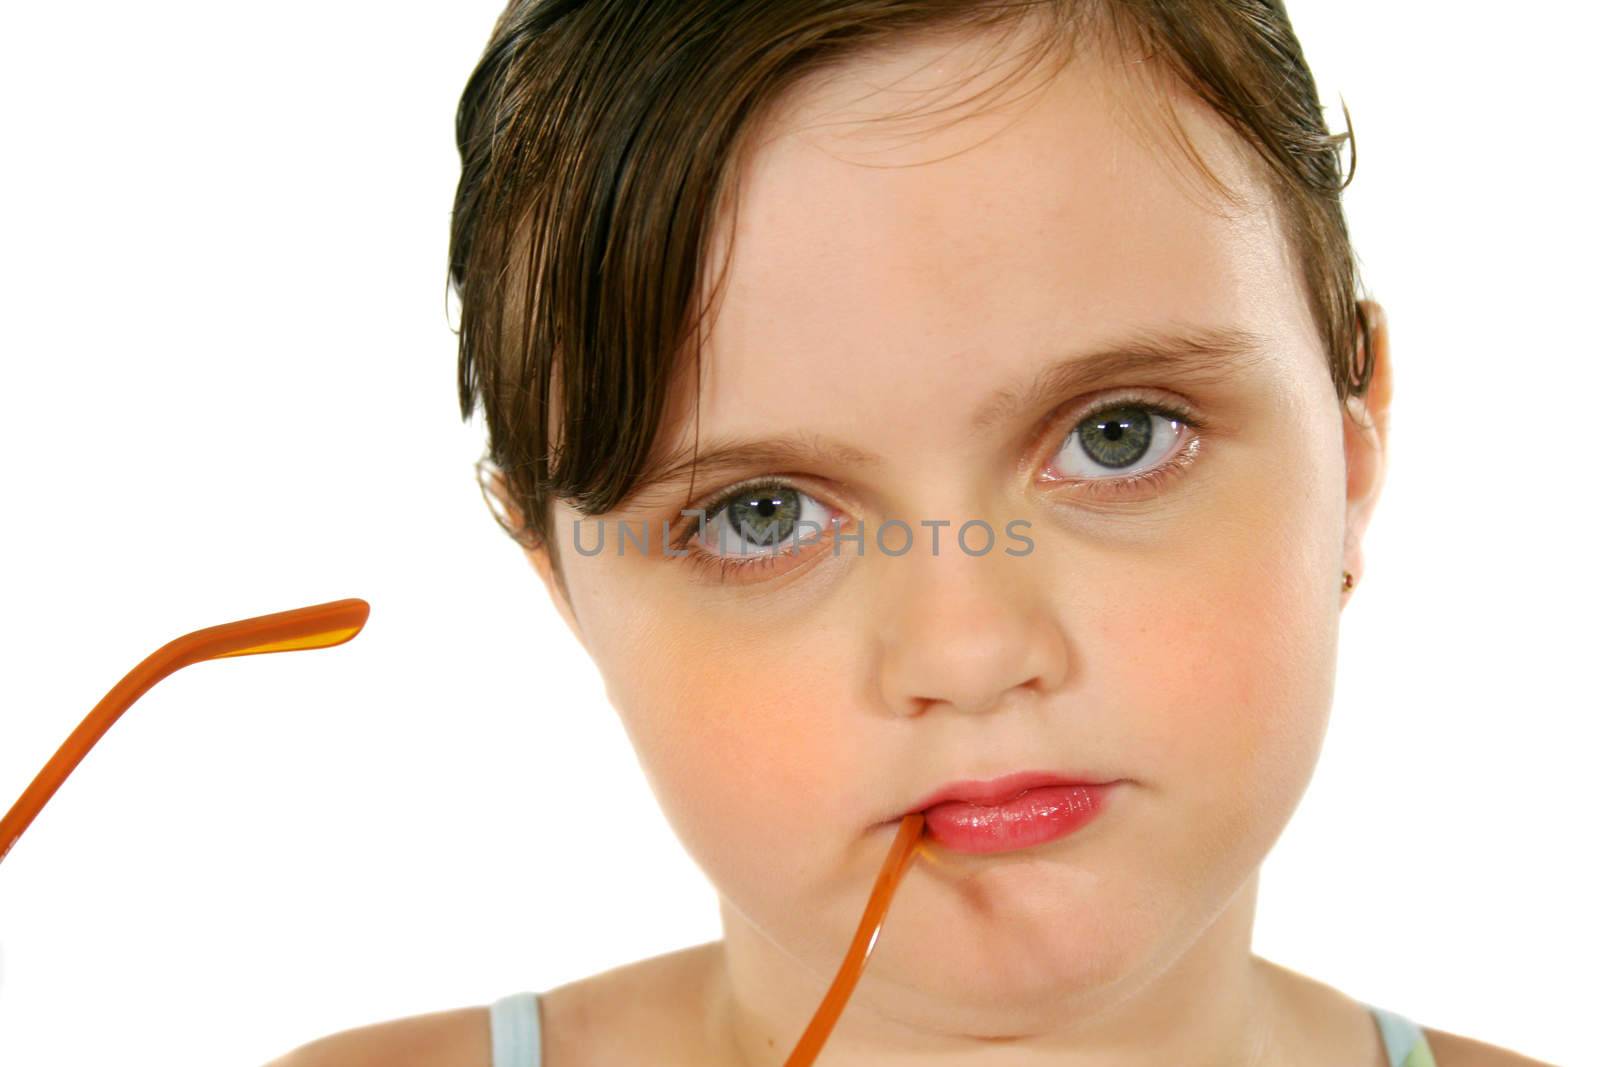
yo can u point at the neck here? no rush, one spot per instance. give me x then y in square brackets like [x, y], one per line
[1210, 1003]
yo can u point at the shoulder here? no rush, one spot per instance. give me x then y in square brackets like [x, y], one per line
[570, 1024]
[1453, 1050]
[651, 1011]
[1331, 1020]
[580, 1023]
[458, 1037]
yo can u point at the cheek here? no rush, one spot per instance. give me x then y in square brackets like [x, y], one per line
[1235, 676]
[1229, 656]
[735, 728]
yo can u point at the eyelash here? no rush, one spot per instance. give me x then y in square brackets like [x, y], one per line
[726, 566]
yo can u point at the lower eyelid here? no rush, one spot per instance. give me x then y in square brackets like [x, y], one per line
[1183, 457]
[730, 568]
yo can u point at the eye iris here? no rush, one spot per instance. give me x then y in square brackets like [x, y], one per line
[766, 517]
[1116, 438]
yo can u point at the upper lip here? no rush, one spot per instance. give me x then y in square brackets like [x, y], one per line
[997, 790]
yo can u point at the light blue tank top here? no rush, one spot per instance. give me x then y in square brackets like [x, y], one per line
[514, 1034]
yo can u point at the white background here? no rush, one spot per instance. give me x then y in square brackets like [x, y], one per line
[228, 388]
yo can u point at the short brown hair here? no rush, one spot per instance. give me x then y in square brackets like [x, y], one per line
[597, 138]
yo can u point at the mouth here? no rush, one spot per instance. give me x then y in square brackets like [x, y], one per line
[1009, 813]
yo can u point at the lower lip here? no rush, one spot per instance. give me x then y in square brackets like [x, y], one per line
[1038, 815]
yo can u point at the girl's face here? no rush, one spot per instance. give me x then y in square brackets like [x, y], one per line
[898, 285]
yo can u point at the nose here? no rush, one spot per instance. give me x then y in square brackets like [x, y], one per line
[969, 633]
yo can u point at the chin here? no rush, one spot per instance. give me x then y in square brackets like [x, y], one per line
[990, 970]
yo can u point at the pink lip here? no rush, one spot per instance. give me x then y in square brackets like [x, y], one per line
[996, 790]
[1016, 811]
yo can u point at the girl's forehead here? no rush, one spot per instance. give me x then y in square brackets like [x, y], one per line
[897, 114]
[878, 258]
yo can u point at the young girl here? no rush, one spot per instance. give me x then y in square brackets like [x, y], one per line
[924, 405]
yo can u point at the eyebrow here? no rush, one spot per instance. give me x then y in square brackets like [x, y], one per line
[1207, 356]
[1203, 356]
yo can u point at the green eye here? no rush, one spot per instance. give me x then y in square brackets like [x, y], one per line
[1118, 435]
[753, 526]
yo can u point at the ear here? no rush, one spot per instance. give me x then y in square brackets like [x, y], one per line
[492, 481]
[1366, 440]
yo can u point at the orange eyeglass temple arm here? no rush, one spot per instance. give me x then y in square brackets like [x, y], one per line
[317, 626]
[906, 844]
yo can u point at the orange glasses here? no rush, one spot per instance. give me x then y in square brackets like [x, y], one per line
[334, 623]
[318, 626]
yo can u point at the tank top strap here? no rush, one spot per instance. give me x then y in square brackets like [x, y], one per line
[514, 1031]
[1403, 1040]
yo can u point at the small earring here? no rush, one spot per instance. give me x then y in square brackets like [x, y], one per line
[1349, 582]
